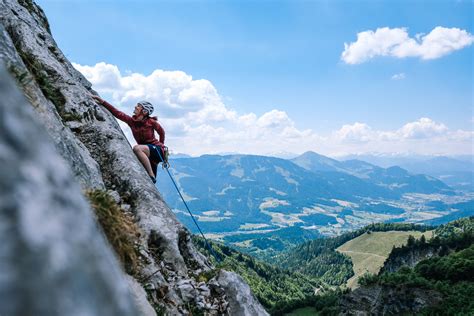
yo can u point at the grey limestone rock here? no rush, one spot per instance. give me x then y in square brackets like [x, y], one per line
[186, 290]
[84, 167]
[92, 144]
[96, 148]
[241, 300]
[140, 297]
[53, 259]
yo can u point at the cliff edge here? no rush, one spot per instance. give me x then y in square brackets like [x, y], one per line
[168, 276]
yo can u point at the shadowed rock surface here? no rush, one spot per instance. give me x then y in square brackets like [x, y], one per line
[91, 143]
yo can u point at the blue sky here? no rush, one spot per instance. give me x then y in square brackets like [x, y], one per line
[285, 56]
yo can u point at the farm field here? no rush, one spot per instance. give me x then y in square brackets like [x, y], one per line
[369, 251]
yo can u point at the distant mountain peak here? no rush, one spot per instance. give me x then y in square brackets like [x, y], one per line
[316, 162]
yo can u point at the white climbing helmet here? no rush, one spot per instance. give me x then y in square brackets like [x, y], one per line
[147, 106]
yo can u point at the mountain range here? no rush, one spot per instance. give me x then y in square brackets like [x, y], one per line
[457, 172]
[248, 194]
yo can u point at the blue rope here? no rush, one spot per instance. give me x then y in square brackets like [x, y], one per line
[166, 165]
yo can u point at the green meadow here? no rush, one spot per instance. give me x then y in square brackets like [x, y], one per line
[370, 250]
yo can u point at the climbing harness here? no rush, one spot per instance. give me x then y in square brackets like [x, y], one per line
[166, 166]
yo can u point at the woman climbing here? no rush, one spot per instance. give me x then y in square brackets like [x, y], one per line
[143, 129]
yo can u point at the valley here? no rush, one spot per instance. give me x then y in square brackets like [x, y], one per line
[245, 200]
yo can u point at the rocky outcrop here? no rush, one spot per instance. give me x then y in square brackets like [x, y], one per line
[410, 257]
[91, 143]
[241, 300]
[383, 300]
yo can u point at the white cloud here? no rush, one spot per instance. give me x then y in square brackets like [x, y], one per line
[423, 136]
[104, 77]
[197, 121]
[174, 92]
[399, 76]
[423, 128]
[274, 119]
[397, 43]
[357, 132]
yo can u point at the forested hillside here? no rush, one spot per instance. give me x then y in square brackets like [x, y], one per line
[277, 289]
[319, 258]
[447, 276]
[409, 290]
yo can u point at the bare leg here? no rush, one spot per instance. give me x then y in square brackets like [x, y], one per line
[143, 152]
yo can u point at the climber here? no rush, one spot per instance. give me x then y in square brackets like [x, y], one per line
[143, 129]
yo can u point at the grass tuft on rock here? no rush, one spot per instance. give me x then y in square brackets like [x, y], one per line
[119, 228]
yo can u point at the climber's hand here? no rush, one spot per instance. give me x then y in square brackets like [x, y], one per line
[97, 99]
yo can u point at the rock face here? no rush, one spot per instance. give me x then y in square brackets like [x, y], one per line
[91, 143]
[241, 300]
[381, 300]
[54, 260]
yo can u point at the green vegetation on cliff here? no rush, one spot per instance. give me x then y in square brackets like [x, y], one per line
[282, 290]
[451, 274]
[278, 290]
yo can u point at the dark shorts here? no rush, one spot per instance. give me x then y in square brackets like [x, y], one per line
[154, 156]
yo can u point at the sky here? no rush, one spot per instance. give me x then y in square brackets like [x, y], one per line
[266, 77]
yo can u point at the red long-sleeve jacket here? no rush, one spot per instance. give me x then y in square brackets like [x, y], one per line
[143, 130]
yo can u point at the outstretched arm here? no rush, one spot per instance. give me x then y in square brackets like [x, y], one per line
[118, 114]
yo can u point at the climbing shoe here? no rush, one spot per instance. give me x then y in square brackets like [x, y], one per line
[153, 179]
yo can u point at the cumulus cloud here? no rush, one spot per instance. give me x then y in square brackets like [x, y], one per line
[104, 77]
[396, 42]
[197, 121]
[423, 128]
[357, 132]
[174, 92]
[423, 136]
[399, 76]
[274, 119]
